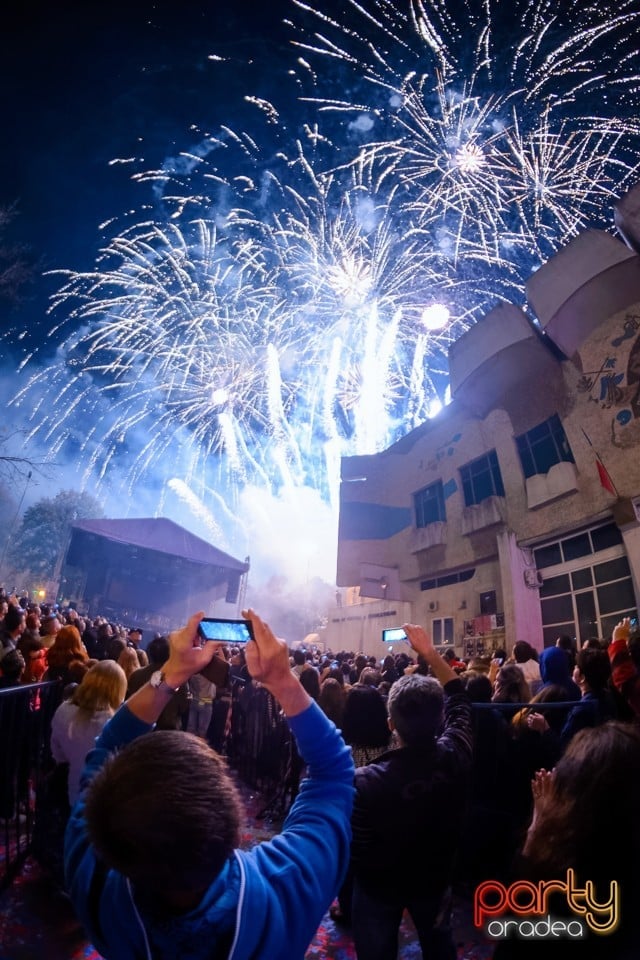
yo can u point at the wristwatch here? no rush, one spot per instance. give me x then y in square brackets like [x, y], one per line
[158, 682]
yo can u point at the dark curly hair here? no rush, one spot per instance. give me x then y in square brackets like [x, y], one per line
[165, 812]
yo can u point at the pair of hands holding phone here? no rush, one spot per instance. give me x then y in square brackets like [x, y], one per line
[267, 660]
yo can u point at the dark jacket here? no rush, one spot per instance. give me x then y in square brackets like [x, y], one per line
[399, 838]
[592, 710]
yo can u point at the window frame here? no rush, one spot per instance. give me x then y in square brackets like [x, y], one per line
[446, 627]
[438, 499]
[472, 474]
[528, 446]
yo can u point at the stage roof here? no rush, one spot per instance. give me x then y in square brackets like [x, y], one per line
[162, 535]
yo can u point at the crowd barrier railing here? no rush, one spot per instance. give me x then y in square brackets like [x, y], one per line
[25, 721]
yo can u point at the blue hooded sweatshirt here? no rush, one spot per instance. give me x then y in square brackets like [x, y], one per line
[555, 668]
[267, 903]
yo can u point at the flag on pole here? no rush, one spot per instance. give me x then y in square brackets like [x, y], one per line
[605, 479]
[603, 473]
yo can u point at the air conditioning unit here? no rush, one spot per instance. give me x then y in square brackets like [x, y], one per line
[433, 606]
[532, 578]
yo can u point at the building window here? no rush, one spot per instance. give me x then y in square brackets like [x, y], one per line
[429, 504]
[481, 479]
[582, 545]
[442, 631]
[587, 586]
[543, 446]
[447, 579]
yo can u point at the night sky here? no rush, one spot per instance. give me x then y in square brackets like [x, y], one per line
[87, 83]
[97, 93]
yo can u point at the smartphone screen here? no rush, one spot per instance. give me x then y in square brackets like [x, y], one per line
[393, 635]
[225, 631]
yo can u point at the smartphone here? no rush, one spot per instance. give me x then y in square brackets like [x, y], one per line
[393, 635]
[225, 631]
[633, 622]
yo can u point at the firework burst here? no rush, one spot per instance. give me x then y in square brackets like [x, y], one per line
[510, 128]
[269, 317]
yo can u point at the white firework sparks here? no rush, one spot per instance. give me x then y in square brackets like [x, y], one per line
[270, 318]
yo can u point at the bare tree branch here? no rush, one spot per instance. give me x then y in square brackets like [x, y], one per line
[15, 467]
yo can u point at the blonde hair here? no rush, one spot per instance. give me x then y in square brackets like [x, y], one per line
[102, 688]
[128, 660]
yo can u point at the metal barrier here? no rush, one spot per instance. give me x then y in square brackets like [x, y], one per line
[261, 748]
[25, 723]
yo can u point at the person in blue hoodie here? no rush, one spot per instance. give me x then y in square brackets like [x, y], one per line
[151, 849]
[556, 668]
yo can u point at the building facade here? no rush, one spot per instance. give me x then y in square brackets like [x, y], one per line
[515, 513]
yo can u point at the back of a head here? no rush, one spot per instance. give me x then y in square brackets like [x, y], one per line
[76, 669]
[479, 688]
[12, 666]
[601, 763]
[365, 717]
[335, 673]
[566, 643]
[115, 646]
[332, 698]
[594, 665]
[555, 666]
[360, 662]
[13, 618]
[522, 651]
[103, 687]
[310, 680]
[67, 646]
[331, 687]
[128, 660]
[68, 638]
[299, 657]
[402, 662]
[29, 643]
[479, 665]
[369, 676]
[158, 651]
[597, 777]
[104, 632]
[136, 807]
[415, 705]
[511, 686]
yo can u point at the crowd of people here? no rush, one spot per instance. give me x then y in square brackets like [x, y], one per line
[419, 773]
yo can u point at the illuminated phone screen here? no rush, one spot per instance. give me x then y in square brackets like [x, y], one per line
[225, 631]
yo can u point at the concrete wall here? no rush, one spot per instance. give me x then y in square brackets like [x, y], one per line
[505, 385]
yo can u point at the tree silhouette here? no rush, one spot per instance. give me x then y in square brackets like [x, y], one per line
[43, 533]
